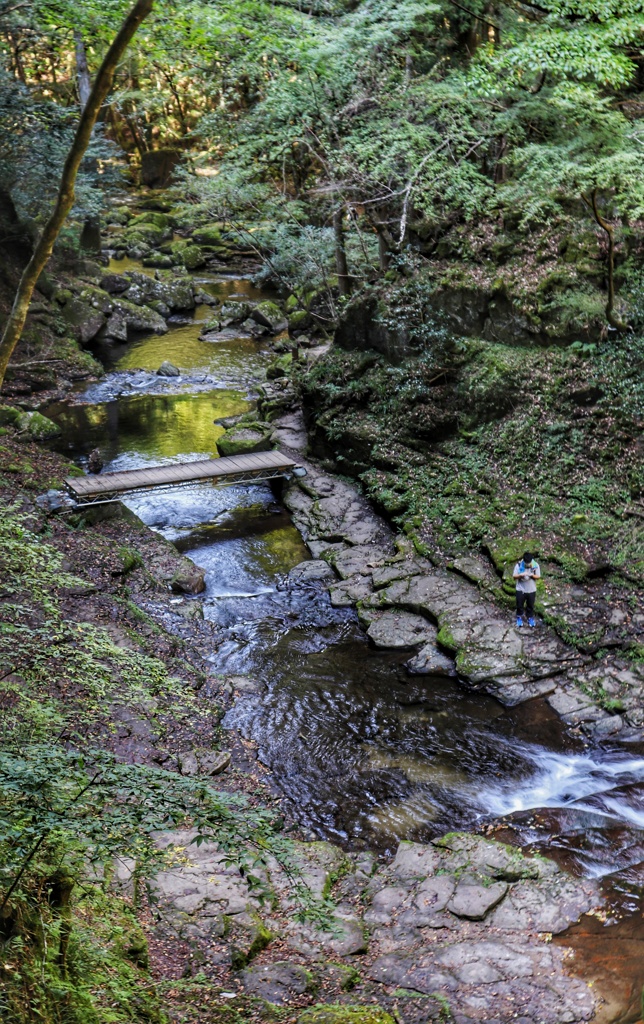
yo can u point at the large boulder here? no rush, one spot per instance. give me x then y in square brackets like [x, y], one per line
[84, 320]
[158, 165]
[173, 289]
[36, 426]
[245, 439]
[209, 234]
[128, 317]
[268, 314]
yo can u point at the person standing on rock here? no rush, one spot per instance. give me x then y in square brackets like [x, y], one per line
[525, 574]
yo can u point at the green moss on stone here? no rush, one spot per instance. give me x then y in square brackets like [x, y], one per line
[335, 1014]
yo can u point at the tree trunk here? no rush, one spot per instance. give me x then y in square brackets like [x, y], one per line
[65, 199]
[383, 252]
[613, 320]
[82, 71]
[342, 270]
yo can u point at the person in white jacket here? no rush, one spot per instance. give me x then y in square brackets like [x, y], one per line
[525, 574]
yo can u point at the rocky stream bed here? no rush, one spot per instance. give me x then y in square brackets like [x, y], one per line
[406, 727]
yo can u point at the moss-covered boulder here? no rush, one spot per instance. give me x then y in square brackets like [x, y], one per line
[192, 256]
[299, 320]
[158, 259]
[158, 220]
[209, 234]
[9, 416]
[336, 1014]
[244, 439]
[280, 367]
[269, 314]
[36, 426]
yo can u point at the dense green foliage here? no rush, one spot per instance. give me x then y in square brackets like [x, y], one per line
[455, 130]
[69, 810]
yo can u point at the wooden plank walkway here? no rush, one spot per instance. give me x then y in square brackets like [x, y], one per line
[229, 470]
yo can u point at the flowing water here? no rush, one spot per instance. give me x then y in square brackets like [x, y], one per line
[363, 753]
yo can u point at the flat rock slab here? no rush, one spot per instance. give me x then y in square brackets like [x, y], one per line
[400, 629]
[474, 901]
[277, 983]
[431, 662]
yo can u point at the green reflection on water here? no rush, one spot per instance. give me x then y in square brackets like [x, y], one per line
[157, 426]
[182, 347]
[280, 550]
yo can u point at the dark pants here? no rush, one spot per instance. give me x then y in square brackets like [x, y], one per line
[528, 600]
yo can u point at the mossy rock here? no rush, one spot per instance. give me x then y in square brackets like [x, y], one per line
[9, 416]
[269, 314]
[505, 552]
[244, 440]
[299, 320]
[158, 259]
[192, 257]
[159, 220]
[209, 234]
[280, 367]
[336, 1014]
[142, 234]
[37, 426]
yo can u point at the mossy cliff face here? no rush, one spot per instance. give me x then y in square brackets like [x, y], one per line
[472, 444]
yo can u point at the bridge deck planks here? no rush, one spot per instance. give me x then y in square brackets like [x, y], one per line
[158, 476]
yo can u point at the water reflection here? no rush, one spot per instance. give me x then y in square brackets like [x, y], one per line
[135, 431]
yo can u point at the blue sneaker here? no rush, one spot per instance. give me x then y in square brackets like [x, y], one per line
[532, 622]
[519, 621]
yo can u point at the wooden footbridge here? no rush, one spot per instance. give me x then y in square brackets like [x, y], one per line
[236, 469]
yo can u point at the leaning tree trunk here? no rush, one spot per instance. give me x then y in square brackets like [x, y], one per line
[65, 199]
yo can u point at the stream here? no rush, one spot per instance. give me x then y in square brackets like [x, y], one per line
[364, 754]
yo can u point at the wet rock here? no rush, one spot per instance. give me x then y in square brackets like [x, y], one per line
[313, 570]
[277, 983]
[474, 901]
[349, 592]
[431, 662]
[358, 559]
[244, 439]
[268, 314]
[188, 578]
[168, 369]
[395, 629]
[95, 461]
